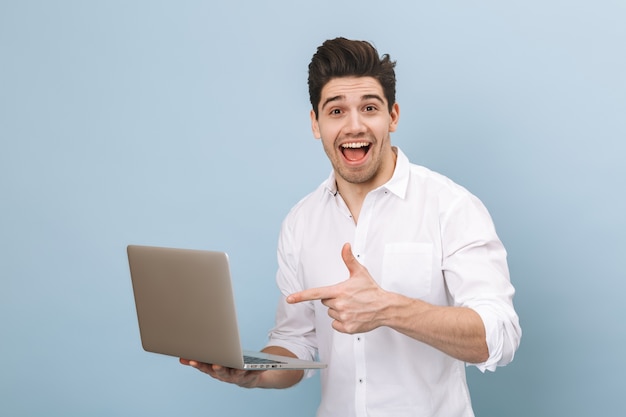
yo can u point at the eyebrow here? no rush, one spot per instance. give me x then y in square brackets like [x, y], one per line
[363, 98]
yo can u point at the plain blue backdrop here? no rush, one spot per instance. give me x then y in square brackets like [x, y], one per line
[186, 124]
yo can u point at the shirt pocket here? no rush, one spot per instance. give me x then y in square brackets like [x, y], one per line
[407, 268]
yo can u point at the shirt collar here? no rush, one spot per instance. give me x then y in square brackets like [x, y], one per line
[331, 185]
[399, 181]
[397, 184]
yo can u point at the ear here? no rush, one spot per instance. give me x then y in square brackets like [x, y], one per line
[395, 117]
[315, 126]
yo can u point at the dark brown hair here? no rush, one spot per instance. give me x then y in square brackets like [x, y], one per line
[341, 57]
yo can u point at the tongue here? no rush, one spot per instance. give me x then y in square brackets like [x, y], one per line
[354, 154]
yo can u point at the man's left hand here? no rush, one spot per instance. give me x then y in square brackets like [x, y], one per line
[356, 305]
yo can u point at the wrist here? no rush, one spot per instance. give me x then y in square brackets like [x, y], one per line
[401, 312]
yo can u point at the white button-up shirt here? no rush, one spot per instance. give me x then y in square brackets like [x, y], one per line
[420, 235]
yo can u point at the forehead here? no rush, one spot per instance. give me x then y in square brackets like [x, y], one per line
[351, 87]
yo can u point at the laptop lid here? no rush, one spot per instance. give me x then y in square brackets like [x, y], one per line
[185, 306]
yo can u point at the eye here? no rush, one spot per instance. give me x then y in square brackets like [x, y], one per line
[335, 111]
[370, 107]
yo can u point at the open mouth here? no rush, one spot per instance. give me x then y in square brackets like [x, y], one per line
[355, 151]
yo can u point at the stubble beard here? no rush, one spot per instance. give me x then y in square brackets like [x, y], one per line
[359, 175]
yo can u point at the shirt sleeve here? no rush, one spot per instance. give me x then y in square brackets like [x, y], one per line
[477, 276]
[294, 327]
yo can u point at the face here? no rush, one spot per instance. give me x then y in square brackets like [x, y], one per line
[354, 123]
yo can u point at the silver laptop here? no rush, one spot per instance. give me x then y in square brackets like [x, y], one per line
[185, 308]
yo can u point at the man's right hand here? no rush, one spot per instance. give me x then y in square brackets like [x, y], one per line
[251, 379]
[241, 377]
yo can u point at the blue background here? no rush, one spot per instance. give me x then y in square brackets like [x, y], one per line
[186, 124]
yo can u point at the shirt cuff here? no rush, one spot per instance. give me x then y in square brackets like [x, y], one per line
[300, 351]
[493, 336]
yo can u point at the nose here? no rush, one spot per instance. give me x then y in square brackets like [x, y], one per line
[354, 124]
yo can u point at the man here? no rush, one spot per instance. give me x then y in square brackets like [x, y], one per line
[391, 273]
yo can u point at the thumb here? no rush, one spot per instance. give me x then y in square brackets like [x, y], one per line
[349, 259]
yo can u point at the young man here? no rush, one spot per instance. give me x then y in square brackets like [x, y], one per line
[391, 273]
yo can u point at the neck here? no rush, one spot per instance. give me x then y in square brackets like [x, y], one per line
[354, 194]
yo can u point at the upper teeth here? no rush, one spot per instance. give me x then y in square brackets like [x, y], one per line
[355, 145]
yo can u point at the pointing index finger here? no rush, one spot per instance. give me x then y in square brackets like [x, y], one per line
[319, 293]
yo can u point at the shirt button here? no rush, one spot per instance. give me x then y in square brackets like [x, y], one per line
[360, 380]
